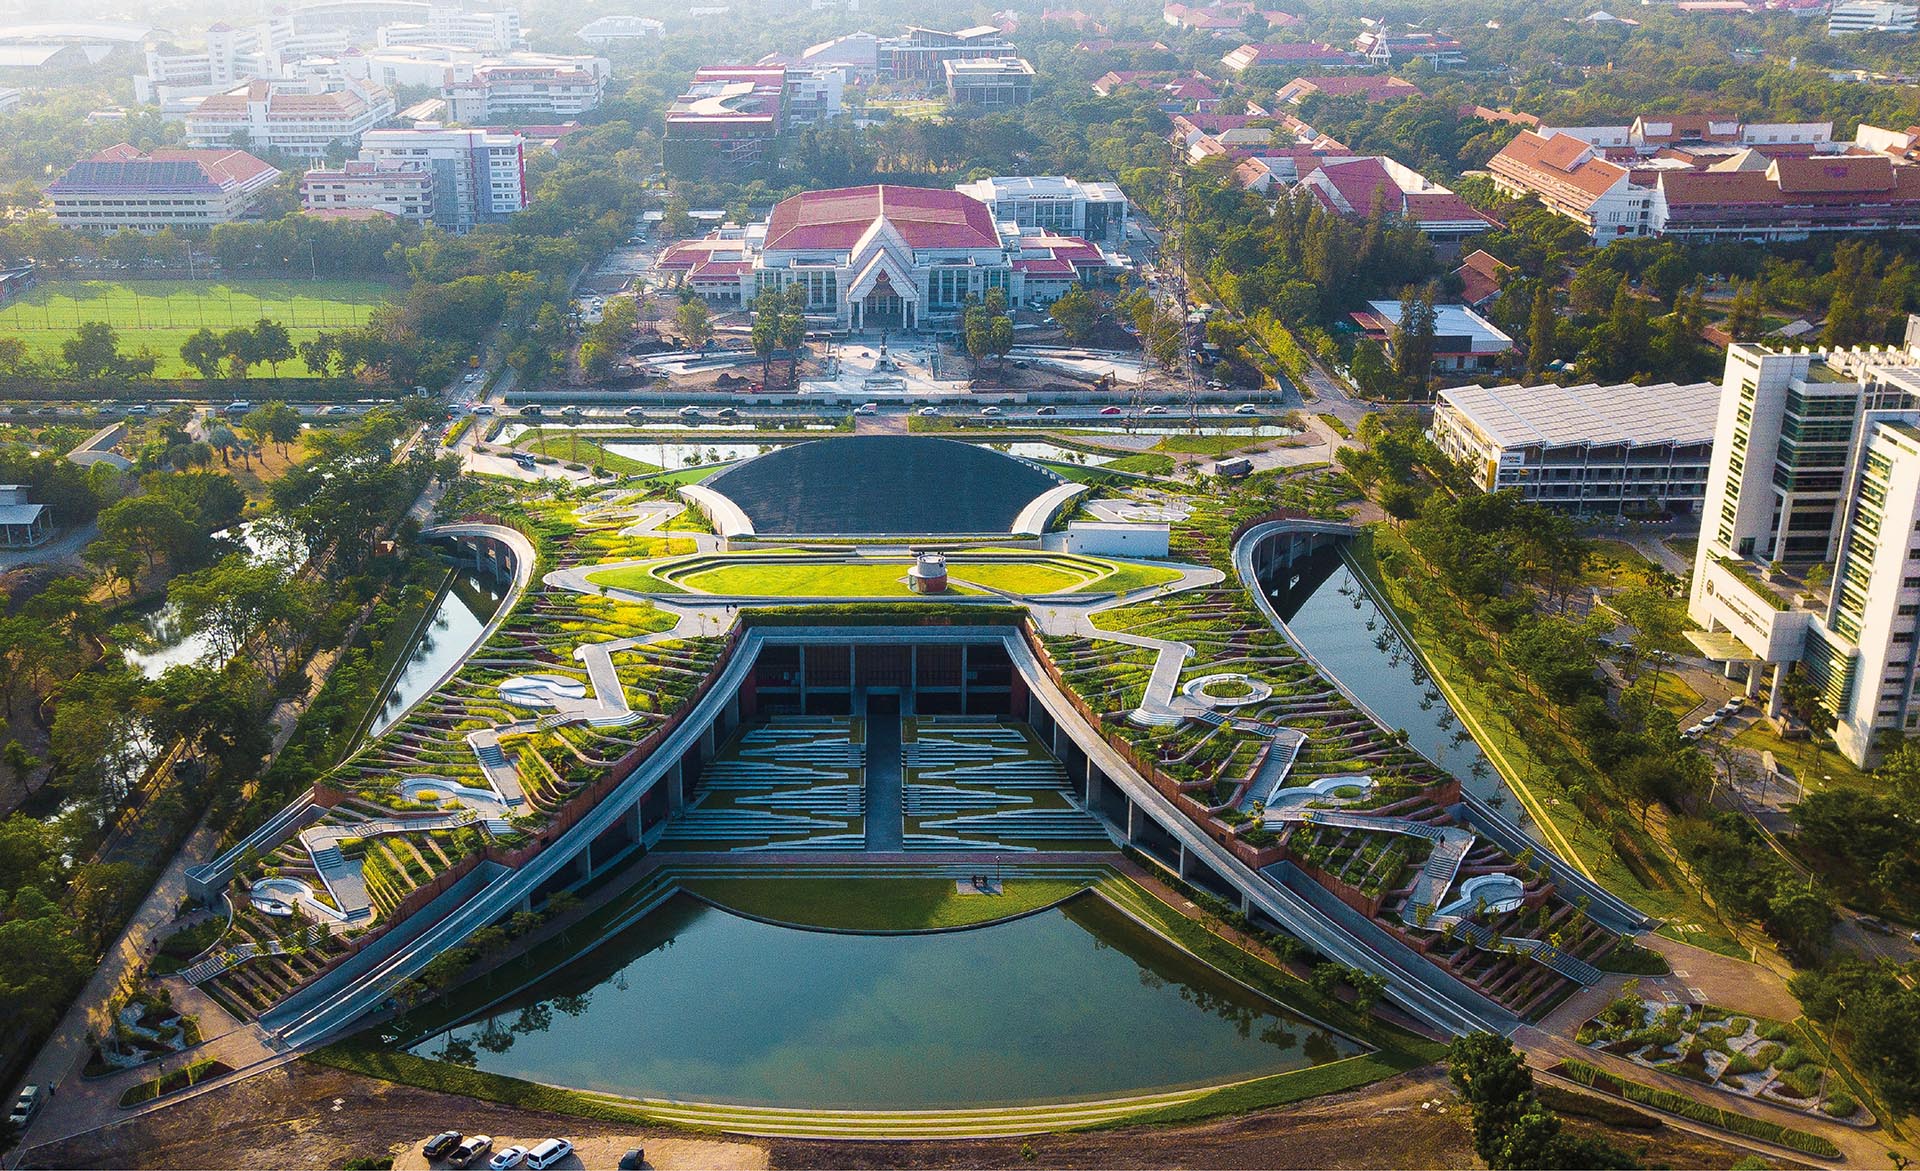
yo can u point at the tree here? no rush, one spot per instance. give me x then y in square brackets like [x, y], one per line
[93, 351]
[1512, 1129]
[274, 422]
[1540, 326]
[203, 352]
[1413, 340]
[1744, 313]
[1076, 313]
[693, 323]
[153, 527]
[235, 601]
[272, 344]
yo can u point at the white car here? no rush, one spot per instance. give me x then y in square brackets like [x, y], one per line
[472, 377]
[689, 412]
[990, 410]
[867, 409]
[928, 412]
[547, 1152]
[1696, 730]
[1709, 721]
[483, 408]
[508, 1158]
[1246, 409]
[1155, 409]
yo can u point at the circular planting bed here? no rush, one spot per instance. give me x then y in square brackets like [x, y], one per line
[1228, 689]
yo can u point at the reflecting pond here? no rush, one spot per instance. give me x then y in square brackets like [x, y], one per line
[459, 618]
[166, 642]
[1078, 1001]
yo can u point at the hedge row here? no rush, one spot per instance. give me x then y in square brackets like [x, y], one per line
[1772, 1132]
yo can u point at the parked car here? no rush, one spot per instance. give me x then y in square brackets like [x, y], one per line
[928, 412]
[867, 409]
[511, 1157]
[633, 1160]
[25, 1107]
[524, 460]
[1048, 411]
[1696, 730]
[634, 412]
[1155, 409]
[1246, 409]
[547, 1152]
[472, 376]
[440, 1144]
[532, 411]
[470, 1149]
[483, 408]
[1111, 411]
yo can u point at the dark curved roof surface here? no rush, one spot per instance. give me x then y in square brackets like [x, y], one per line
[866, 484]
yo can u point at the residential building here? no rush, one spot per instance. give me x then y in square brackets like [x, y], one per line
[1222, 18]
[507, 92]
[1318, 53]
[1872, 16]
[1481, 276]
[1605, 449]
[1463, 341]
[814, 94]
[1387, 49]
[299, 117]
[1651, 134]
[884, 257]
[479, 176]
[229, 57]
[400, 189]
[1790, 199]
[1180, 93]
[1353, 187]
[990, 83]
[1817, 460]
[728, 120]
[620, 30]
[168, 188]
[1051, 203]
[1373, 87]
[23, 525]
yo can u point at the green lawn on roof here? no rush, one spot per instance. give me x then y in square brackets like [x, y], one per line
[1135, 577]
[1019, 577]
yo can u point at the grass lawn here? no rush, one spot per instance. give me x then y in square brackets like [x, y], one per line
[1134, 577]
[639, 578]
[811, 580]
[1019, 577]
[1206, 444]
[1337, 424]
[1146, 463]
[879, 904]
[1811, 768]
[1675, 694]
[575, 448]
[683, 475]
[160, 315]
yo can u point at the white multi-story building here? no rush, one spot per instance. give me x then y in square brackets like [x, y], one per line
[1872, 16]
[121, 187]
[1817, 460]
[620, 30]
[479, 176]
[400, 189]
[300, 117]
[456, 28]
[230, 56]
[884, 257]
[1605, 449]
[989, 83]
[1052, 203]
[497, 93]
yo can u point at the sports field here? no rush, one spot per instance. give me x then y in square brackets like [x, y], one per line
[160, 315]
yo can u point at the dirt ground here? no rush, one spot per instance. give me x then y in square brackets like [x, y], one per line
[305, 1116]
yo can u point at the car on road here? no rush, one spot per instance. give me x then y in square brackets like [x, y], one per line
[1246, 409]
[532, 411]
[726, 413]
[25, 1107]
[1696, 731]
[525, 461]
[991, 411]
[571, 412]
[547, 1152]
[470, 1149]
[483, 408]
[138, 409]
[1111, 411]
[1155, 409]
[634, 412]
[1877, 926]
[689, 412]
[472, 376]
[440, 1144]
[867, 409]
[239, 406]
[1048, 411]
[928, 412]
[511, 1157]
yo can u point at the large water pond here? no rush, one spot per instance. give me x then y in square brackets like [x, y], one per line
[458, 619]
[1075, 1002]
[1333, 615]
[167, 641]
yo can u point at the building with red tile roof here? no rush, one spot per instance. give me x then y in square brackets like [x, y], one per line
[884, 257]
[1353, 187]
[1481, 276]
[1223, 17]
[1179, 92]
[122, 187]
[1373, 87]
[1574, 179]
[1253, 56]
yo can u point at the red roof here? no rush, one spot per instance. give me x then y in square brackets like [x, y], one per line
[1375, 88]
[233, 166]
[1479, 274]
[925, 217]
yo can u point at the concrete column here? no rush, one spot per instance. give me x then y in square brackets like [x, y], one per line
[1777, 697]
[1182, 868]
[1133, 819]
[1753, 679]
[635, 822]
[1731, 669]
[1057, 737]
[706, 744]
[731, 716]
[1246, 904]
[583, 864]
[675, 781]
[964, 708]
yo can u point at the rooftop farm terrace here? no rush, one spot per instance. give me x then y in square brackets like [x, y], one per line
[910, 764]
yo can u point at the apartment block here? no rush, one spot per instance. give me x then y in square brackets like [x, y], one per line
[403, 190]
[300, 117]
[479, 176]
[496, 93]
